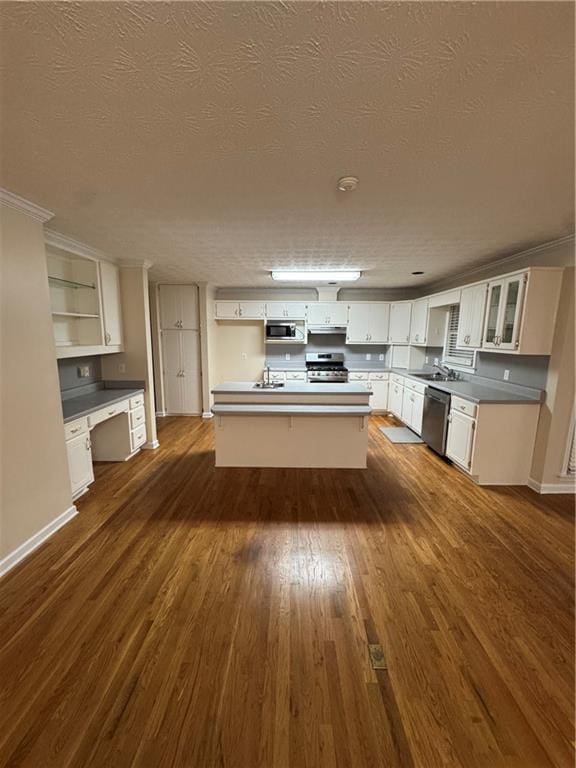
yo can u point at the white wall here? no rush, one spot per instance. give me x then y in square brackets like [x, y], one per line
[34, 480]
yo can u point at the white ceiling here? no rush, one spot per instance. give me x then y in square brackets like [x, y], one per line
[208, 137]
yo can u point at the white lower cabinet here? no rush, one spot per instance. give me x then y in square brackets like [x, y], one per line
[395, 398]
[80, 463]
[379, 385]
[181, 372]
[460, 440]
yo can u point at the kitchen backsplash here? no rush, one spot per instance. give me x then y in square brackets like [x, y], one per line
[526, 370]
[276, 353]
[69, 372]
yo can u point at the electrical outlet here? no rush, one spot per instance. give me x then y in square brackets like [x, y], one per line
[381, 358]
[506, 374]
[121, 367]
[435, 361]
[83, 371]
[368, 356]
[287, 356]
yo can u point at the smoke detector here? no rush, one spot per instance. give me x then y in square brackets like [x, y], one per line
[347, 183]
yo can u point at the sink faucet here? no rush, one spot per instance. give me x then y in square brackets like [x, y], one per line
[267, 381]
[451, 374]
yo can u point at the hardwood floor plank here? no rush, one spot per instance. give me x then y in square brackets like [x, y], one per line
[194, 617]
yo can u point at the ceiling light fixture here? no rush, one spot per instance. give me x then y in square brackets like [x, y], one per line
[347, 183]
[318, 275]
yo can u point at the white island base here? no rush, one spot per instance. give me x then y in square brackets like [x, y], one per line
[300, 425]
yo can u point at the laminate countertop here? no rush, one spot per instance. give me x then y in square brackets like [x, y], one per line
[290, 388]
[75, 407]
[478, 391]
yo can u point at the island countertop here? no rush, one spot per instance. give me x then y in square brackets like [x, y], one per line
[290, 388]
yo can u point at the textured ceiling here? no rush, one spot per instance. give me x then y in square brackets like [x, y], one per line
[208, 137]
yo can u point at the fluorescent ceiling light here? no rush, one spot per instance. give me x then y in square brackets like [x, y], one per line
[317, 276]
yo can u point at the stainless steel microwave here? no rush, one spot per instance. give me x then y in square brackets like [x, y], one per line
[281, 330]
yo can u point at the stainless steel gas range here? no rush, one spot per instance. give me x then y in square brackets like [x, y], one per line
[326, 367]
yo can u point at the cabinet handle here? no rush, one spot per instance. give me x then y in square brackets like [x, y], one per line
[73, 431]
[176, 324]
[111, 413]
[107, 337]
[407, 338]
[88, 444]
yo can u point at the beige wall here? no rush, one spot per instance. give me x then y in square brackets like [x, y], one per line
[238, 350]
[34, 480]
[137, 355]
[556, 413]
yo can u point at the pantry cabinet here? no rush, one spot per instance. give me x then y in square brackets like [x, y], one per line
[368, 323]
[328, 313]
[471, 318]
[181, 372]
[178, 307]
[399, 328]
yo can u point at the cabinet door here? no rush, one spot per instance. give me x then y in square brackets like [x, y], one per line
[471, 320]
[407, 406]
[318, 314]
[172, 371]
[511, 312]
[79, 462]
[111, 307]
[190, 369]
[417, 412]
[493, 314]
[226, 310]
[379, 322]
[252, 310]
[189, 307]
[379, 398]
[359, 326]
[400, 323]
[276, 310]
[296, 310]
[460, 438]
[419, 322]
[170, 304]
[395, 395]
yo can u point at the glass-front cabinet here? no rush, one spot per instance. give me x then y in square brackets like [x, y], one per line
[504, 311]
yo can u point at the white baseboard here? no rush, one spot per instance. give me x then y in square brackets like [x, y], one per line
[8, 562]
[207, 415]
[569, 487]
[150, 446]
[160, 414]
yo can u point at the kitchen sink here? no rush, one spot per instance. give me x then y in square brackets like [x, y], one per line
[268, 385]
[433, 376]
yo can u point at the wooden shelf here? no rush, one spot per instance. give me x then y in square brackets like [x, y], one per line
[72, 314]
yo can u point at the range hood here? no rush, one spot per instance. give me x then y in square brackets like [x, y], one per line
[316, 329]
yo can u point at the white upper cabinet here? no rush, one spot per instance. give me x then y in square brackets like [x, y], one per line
[471, 320]
[286, 310]
[178, 307]
[368, 323]
[226, 310]
[419, 322]
[111, 304]
[503, 313]
[252, 310]
[400, 314]
[328, 313]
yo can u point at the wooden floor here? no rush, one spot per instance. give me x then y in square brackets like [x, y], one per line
[191, 617]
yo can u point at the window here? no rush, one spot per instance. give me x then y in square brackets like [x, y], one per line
[453, 356]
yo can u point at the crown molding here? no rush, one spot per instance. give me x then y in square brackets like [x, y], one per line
[449, 280]
[66, 243]
[18, 203]
[136, 263]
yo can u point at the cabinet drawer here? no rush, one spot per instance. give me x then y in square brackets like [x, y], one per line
[137, 418]
[378, 376]
[137, 401]
[107, 413]
[75, 428]
[397, 379]
[358, 376]
[138, 437]
[464, 406]
[295, 375]
[277, 376]
[415, 386]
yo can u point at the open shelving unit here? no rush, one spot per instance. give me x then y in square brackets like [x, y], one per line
[74, 299]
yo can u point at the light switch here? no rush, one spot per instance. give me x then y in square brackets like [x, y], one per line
[506, 374]
[368, 356]
[381, 357]
[287, 355]
[83, 371]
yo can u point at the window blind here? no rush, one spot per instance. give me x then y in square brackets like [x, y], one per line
[452, 354]
[571, 468]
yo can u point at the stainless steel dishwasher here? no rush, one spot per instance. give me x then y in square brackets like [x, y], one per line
[435, 419]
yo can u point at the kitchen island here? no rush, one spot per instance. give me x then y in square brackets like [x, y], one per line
[298, 424]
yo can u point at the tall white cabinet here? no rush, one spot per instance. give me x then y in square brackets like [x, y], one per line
[180, 349]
